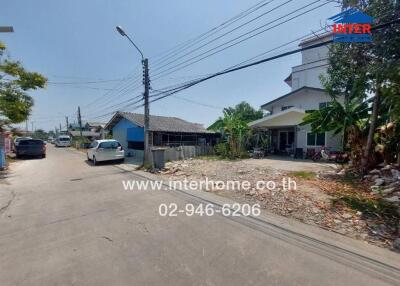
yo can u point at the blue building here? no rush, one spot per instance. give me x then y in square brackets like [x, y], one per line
[127, 128]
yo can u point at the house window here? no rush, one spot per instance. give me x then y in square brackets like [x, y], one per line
[324, 104]
[286, 107]
[315, 139]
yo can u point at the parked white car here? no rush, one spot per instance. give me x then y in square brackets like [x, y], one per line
[105, 150]
[63, 141]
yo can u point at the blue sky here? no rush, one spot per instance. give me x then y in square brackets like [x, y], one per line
[75, 41]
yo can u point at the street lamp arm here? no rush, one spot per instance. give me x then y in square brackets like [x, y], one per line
[122, 32]
[135, 46]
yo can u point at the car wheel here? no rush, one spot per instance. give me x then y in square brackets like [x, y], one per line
[94, 161]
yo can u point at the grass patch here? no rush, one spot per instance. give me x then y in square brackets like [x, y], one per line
[370, 207]
[302, 174]
[212, 158]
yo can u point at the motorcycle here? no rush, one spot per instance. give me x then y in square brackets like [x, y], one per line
[331, 156]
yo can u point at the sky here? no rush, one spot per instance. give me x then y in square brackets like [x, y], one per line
[75, 45]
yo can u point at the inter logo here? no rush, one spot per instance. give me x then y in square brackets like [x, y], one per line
[351, 26]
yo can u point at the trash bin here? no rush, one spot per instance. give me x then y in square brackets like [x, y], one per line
[158, 157]
[2, 158]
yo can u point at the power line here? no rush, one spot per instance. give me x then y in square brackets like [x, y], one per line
[169, 93]
[185, 45]
[175, 68]
[229, 32]
[250, 10]
[178, 87]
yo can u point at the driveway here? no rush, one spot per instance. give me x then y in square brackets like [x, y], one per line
[70, 223]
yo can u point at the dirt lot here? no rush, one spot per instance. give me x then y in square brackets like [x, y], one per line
[321, 197]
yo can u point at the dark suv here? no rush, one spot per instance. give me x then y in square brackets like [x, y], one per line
[31, 147]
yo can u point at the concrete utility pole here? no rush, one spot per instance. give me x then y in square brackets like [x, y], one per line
[60, 128]
[66, 121]
[146, 83]
[80, 120]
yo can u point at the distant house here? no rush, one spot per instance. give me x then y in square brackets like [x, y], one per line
[91, 130]
[285, 113]
[127, 128]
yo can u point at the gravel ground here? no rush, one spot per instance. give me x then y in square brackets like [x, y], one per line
[319, 198]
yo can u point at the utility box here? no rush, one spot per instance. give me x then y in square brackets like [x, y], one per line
[158, 157]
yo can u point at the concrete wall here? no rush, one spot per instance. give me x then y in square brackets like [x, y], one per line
[308, 75]
[185, 152]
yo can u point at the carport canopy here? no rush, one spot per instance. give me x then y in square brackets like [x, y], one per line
[289, 117]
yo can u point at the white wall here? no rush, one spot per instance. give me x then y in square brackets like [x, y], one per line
[334, 142]
[303, 99]
[308, 75]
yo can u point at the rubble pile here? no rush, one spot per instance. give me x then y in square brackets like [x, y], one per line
[385, 182]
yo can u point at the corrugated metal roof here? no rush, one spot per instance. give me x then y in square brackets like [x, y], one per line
[159, 123]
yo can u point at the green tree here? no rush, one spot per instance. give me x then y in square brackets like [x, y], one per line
[15, 81]
[242, 111]
[359, 70]
[40, 134]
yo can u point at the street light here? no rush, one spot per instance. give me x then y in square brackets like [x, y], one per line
[122, 32]
[6, 29]
[146, 82]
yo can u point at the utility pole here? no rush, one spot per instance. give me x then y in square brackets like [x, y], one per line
[146, 82]
[60, 128]
[80, 120]
[32, 125]
[66, 121]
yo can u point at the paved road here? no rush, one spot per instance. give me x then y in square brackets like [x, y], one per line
[70, 223]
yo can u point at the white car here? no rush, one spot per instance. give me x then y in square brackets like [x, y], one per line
[63, 141]
[105, 150]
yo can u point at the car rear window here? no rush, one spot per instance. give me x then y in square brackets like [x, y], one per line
[63, 139]
[109, 145]
[31, 142]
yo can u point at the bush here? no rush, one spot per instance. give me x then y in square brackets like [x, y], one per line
[222, 149]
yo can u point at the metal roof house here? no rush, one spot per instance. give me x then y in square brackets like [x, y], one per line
[127, 128]
[286, 112]
[91, 130]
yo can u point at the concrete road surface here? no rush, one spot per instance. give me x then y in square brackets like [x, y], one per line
[69, 223]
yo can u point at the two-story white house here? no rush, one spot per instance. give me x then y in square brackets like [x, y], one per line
[285, 113]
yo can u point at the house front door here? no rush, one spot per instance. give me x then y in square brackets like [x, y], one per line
[286, 140]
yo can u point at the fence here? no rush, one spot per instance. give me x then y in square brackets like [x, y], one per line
[175, 153]
[184, 152]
